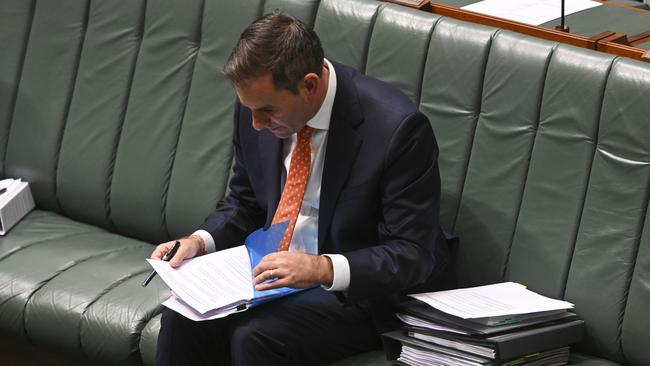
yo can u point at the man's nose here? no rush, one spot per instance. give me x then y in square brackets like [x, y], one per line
[260, 120]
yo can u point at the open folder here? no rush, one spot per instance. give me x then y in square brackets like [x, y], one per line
[221, 283]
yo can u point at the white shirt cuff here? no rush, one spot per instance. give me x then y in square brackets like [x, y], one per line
[340, 273]
[207, 239]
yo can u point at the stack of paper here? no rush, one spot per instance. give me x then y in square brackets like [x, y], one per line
[499, 324]
[221, 283]
[15, 202]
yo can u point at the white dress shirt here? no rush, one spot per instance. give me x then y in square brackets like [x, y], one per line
[305, 235]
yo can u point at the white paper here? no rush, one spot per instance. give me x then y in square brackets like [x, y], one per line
[436, 355]
[534, 12]
[500, 299]
[211, 281]
[459, 345]
[418, 322]
[185, 310]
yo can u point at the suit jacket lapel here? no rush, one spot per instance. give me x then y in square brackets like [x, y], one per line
[343, 143]
[270, 149]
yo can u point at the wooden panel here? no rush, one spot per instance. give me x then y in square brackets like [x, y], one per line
[623, 50]
[609, 42]
[549, 34]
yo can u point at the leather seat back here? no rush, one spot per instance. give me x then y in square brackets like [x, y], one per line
[117, 114]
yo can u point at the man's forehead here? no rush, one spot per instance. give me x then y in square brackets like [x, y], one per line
[258, 92]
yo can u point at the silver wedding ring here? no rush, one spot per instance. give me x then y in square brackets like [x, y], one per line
[271, 273]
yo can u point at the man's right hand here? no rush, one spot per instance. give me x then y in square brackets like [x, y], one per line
[191, 246]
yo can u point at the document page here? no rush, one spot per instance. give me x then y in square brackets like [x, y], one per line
[182, 308]
[492, 300]
[210, 281]
[533, 12]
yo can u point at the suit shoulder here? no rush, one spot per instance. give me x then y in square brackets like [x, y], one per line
[376, 96]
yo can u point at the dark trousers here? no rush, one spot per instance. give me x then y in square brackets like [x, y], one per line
[311, 327]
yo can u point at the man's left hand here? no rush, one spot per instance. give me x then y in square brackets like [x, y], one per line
[292, 269]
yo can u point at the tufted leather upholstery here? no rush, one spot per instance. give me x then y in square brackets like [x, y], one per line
[118, 116]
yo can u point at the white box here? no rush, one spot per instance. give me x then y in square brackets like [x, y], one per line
[15, 203]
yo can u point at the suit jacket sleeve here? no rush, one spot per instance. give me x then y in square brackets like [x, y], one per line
[238, 213]
[409, 250]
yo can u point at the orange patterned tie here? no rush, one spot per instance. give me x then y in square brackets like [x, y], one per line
[294, 188]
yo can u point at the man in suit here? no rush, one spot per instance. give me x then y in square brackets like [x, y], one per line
[352, 165]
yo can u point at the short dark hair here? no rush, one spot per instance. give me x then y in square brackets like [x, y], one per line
[279, 44]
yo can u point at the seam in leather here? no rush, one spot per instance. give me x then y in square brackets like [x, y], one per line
[583, 199]
[39, 242]
[423, 67]
[312, 19]
[530, 157]
[68, 103]
[120, 128]
[479, 106]
[56, 274]
[628, 283]
[18, 79]
[631, 271]
[139, 327]
[105, 291]
[260, 8]
[188, 89]
[371, 29]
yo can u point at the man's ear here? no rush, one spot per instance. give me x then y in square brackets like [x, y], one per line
[311, 82]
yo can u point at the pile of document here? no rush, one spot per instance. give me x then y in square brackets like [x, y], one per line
[219, 284]
[15, 202]
[500, 324]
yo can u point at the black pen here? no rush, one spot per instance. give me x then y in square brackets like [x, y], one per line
[166, 258]
[3, 190]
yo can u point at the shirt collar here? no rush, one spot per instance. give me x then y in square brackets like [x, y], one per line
[321, 120]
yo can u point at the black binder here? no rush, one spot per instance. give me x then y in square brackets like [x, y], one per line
[519, 342]
[398, 339]
[424, 311]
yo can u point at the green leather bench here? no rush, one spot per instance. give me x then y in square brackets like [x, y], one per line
[118, 116]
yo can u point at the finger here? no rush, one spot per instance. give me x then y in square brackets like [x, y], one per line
[260, 269]
[264, 265]
[185, 251]
[161, 250]
[270, 256]
[266, 276]
[282, 282]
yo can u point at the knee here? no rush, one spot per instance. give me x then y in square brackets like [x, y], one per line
[244, 336]
[247, 341]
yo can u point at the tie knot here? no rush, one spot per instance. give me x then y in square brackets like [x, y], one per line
[305, 134]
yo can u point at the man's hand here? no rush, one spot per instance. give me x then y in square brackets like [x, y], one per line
[292, 269]
[190, 247]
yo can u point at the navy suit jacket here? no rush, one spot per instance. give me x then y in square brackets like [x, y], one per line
[380, 191]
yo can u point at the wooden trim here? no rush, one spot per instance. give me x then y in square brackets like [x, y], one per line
[619, 5]
[417, 4]
[624, 50]
[639, 38]
[620, 38]
[539, 32]
[609, 42]
[602, 35]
